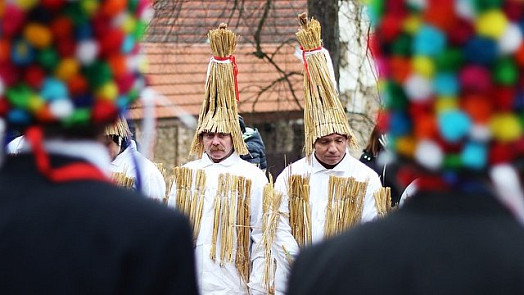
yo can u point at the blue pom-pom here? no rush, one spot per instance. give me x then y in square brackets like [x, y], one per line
[518, 102]
[83, 32]
[474, 155]
[446, 84]
[122, 101]
[453, 125]
[54, 89]
[480, 51]
[429, 41]
[128, 44]
[83, 101]
[19, 116]
[22, 53]
[399, 124]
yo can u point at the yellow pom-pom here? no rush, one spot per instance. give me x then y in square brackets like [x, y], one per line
[108, 91]
[129, 25]
[90, 6]
[446, 103]
[406, 146]
[411, 24]
[505, 127]
[36, 103]
[38, 35]
[26, 4]
[424, 66]
[492, 23]
[67, 68]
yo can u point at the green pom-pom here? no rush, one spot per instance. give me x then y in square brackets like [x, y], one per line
[98, 74]
[140, 30]
[452, 161]
[402, 45]
[483, 5]
[48, 58]
[80, 117]
[19, 96]
[450, 60]
[396, 97]
[505, 72]
[76, 12]
[132, 5]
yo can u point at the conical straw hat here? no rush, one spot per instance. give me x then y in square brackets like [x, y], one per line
[323, 111]
[219, 113]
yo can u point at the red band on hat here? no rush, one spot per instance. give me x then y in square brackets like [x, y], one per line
[74, 171]
[304, 58]
[235, 71]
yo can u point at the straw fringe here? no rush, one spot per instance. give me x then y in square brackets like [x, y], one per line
[121, 179]
[383, 201]
[323, 111]
[190, 190]
[271, 217]
[299, 209]
[345, 204]
[219, 111]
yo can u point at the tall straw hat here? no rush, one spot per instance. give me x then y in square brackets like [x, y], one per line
[323, 111]
[219, 112]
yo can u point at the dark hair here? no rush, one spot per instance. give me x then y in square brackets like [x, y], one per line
[374, 146]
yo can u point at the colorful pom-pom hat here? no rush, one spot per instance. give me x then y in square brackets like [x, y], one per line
[450, 75]
[71, 64]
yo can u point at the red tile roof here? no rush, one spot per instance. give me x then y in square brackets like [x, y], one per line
[178, 60]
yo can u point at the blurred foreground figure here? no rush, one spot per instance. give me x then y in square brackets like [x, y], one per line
[127, 161]
[451, 78]
[68, 69]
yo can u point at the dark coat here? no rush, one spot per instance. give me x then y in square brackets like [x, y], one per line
[435, 244]
[87, 237]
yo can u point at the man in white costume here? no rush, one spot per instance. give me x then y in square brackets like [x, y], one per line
[327, 137]
[218, 141]
[126, 158]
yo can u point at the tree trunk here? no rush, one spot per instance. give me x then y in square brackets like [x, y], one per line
[326, 12]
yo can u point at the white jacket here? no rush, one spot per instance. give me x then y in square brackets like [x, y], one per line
[216, 279]
[152, 181]
[318, 185]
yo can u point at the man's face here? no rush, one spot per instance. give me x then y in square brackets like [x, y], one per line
[217, 146]
[112, 147]
[330, 149]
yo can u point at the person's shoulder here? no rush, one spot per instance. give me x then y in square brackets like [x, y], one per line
[251, 171]
[361, 167]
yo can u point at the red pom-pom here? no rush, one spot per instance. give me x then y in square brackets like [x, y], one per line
[62, 28]
[400, 68]
[77, 85]
[461, 32]
[519, 55]
[103, 111]
[111, 42]
[5, 48]
[390, 27]
[34, 76]
[4, 106]
[426, 126]
[9, 73]
[45, 115]
[383, 121]
[113, 7]
[441, 14]
[52, 4]
[125, 83]
[504, 98]
[478, 107]
[118, 65]
[513, 10]
[501, 153]
[66, 47]
[13, 23]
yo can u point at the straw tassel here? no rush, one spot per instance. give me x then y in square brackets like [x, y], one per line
[299, 208]
[383, 201]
